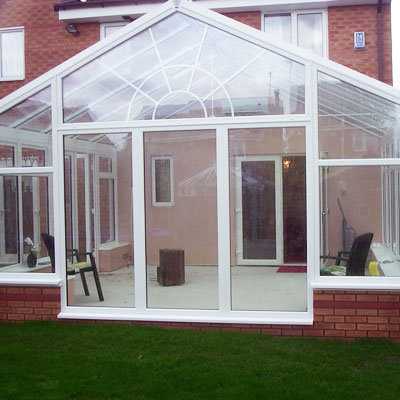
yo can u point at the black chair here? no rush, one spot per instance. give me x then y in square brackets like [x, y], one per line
[79, 266]
[355, 262]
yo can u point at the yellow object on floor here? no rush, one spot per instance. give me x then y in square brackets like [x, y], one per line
[373, 268]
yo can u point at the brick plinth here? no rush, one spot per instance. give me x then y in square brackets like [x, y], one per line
[337, 314]
[27, 303]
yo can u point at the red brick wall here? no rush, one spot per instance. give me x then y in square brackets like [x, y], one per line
[27, 303]
[343, 22]
[47, 43]
[340, 314]
[252, 18]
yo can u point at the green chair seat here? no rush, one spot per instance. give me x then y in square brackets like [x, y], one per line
[78, 265]
[333, 270]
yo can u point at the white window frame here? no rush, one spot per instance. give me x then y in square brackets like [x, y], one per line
[105, 25]
[153, 181]
[293, 21]
[13, 77]
[113, 210]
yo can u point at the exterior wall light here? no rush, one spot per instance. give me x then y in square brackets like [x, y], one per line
[71, 28]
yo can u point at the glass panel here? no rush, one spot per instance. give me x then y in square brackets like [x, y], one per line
[354, 123]
[24, 217]
[7, 158]
[268, 219]
[180, 105]
[181, 67]
[12, 54]
[271, 85]
[258, 209]
[356, 198]
[181, 240]
[95, 223]
[27, 126]
[32, 157]
[278, 26]
[309, 32]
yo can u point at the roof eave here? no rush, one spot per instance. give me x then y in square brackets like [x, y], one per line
[74, 4]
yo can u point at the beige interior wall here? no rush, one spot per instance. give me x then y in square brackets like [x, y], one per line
[191, 222]
[360, 193]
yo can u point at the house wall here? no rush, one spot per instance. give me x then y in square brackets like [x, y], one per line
[47, 43]
[343, 22]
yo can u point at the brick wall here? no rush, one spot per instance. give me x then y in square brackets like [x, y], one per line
[337, 314]
[249, 18]
[47, 43]
[27, 303]
[343, 22]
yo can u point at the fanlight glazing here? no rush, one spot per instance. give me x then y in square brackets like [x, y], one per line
[183, 68]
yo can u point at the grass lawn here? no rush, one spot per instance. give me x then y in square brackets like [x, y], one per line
[108, 361]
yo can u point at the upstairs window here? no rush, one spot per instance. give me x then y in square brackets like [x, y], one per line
[12, 65]
[305, 29]
[108, 28]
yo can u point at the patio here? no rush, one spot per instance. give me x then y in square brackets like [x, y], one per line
[254, 288]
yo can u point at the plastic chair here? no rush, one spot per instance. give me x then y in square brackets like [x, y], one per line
[79, 266]
[355, 262]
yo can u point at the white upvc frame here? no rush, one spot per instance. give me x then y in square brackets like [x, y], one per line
[294, 25]
[105, 25]
[277, 160]
[113, 205]
[153, 181]
[224, 313]
[20, 77]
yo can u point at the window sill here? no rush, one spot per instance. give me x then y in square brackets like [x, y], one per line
[191, 316]
[29, 279]
[11, 78]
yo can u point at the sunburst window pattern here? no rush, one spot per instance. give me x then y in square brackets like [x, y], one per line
[183, 68]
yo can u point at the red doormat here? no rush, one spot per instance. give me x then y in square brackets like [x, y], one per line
[292, 268]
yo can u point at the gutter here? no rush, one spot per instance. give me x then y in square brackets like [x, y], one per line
[379, 33]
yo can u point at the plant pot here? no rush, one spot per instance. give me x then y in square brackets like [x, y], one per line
[31, 260]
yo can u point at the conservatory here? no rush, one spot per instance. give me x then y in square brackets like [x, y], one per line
[189, 168]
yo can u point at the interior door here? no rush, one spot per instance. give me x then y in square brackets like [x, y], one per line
[259, 210]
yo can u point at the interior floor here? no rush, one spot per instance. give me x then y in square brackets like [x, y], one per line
[253, 288]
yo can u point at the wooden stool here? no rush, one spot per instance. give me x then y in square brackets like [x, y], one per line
[171, 271]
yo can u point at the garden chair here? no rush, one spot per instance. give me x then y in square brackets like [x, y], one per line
[79, 266]
[355, 262]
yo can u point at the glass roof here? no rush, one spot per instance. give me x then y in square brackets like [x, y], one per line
[183, 68]
[33, 114]
[355, 107]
